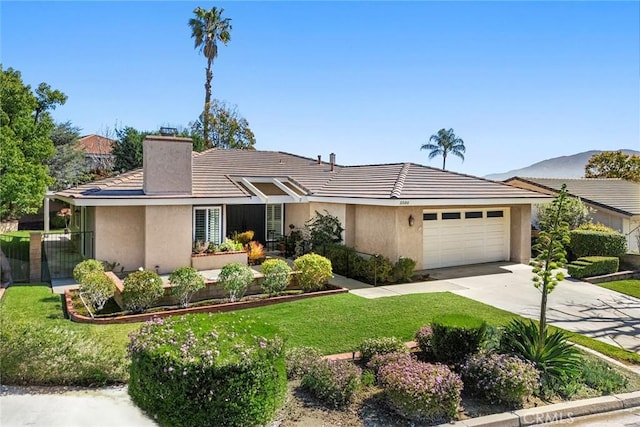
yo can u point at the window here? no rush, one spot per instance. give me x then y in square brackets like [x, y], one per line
[207, 224]
[473, 215]
[429, 216]
[274, 221]
[495, 214]
[451, 215]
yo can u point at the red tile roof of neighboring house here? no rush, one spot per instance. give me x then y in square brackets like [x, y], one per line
[219, 173]
[96, 144]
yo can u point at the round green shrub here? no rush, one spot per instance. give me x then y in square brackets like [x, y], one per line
[381, 345]
[314, 271]
[207, 370]
[500, 378]
[456, 337]
[421, 391]
[97, 288]
[276, 276]
[186, 281]
[235, 278]
[335, 382]
[141, 289]
[85, 267]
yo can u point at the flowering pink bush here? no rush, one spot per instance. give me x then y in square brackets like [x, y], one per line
[423, 338]
[500, 378]
[380, 360]
[421, 391]
[335, 382]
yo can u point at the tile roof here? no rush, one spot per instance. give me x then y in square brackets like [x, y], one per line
[215, 174]
[96, 144]
[611, 193]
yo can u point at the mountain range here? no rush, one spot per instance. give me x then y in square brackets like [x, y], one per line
[558, 167]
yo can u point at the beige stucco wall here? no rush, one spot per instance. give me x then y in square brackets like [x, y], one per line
[520, 234]
[167, 165]
[350, 225]
[336, 209]
[409, 237]
[296, 214]
[376, 230]
[119, 235]
[168, 231]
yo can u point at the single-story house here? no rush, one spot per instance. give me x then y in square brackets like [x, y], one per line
[98, 151]
[151, 216]
[614, 202]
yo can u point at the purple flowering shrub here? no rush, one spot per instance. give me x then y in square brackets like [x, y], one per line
[299, 360]
[335, 382]
[421, 391]
[207, 370]
[500, 378]
[423, 339]
[381, 345]
[380, 360]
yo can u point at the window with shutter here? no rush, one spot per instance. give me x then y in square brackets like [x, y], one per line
[207, 224]
[274, 221]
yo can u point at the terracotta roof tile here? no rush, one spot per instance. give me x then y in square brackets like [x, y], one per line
[96, 144]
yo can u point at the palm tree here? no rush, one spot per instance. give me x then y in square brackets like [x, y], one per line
[443, 143]
[208, 28]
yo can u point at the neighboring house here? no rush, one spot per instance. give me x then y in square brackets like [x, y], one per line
[98, 151]
[151, 216]
[614, 201]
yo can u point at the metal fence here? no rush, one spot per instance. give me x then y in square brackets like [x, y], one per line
[14, 259]
[62, 252]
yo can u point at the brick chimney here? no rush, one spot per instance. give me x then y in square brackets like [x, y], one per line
[167, 165]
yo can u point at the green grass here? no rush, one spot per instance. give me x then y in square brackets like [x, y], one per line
[627, 287]
[39, 346]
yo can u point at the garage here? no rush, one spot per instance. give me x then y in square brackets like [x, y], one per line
[464, 236]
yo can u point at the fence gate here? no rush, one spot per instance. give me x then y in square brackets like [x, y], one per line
[62, 252]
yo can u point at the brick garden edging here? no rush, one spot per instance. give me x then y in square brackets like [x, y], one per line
[214, 308]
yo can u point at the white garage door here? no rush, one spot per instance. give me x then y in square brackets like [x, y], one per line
[464, 236]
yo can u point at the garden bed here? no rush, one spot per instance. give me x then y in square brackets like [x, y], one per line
[209, 306]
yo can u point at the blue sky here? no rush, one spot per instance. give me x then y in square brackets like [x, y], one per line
[371, 81]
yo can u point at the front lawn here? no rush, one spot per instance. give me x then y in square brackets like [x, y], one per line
[628, 287]
[39, 346]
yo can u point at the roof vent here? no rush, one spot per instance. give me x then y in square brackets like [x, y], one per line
[319, 159]
[332, 160]
[168, 131]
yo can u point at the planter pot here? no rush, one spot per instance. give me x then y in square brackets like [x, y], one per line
[217, 260]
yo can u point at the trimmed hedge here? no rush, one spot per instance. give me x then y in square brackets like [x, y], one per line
[597, 243]
[593, 266]
[334, 382]
[455, 338]
[205, 370]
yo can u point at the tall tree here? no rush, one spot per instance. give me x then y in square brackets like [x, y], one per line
[25, 146]
[613, 164]
[228, 129]
[128, 149]
[443, 143]
[68, 165]
[207, 29]
[48, 99]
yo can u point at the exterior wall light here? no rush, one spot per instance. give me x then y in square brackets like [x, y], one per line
[412, 220]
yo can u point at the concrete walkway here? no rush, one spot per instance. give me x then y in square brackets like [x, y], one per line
[574, 305]
[81, 408]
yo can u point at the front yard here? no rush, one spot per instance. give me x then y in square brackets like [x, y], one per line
[39, 346]
[628, 287]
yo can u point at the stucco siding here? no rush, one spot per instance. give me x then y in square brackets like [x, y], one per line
[168, 231]
[296, 214]
[119, 235]
[520, 233]
[409, 238]
[376, 230]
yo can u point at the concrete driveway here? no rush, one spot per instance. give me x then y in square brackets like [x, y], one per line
[574, 305]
